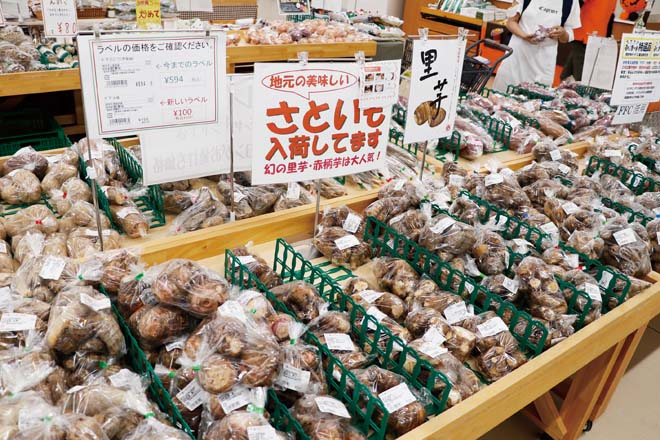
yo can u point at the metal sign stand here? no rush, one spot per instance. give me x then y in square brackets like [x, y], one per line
[232, 210]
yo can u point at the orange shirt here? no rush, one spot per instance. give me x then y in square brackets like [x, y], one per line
[595, 15]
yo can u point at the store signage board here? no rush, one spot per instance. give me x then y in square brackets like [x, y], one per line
[600, 62]
[434, 86]
[143, 82]
[630, 113]
[194, 5]
[60, 18]
[147, 14]
[189, 152]
[293, 7]
[308, 123]
[379, 83]
[637, 77]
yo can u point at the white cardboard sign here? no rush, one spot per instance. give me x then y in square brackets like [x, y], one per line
[308, 123]
[638, 72]
[434, 86]
[60, 18]
[630, 113]
[600, 62]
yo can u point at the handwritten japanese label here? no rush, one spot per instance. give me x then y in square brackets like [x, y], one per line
[60, 18]
[308, 124]
[151, 82]
[638, 71]
[147, 14]
[436, 78]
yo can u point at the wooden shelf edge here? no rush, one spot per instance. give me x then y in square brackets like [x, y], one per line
[43, 81]
[451, 16]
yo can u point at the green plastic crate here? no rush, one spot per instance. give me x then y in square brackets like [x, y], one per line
[7, 210]
[281, 418]
[396, 137]
[589, 92]
[361, 402]
[30, 128]
[517, 90]
[499, 130]
[635, 181]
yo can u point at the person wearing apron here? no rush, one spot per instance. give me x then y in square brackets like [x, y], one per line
[532, 61]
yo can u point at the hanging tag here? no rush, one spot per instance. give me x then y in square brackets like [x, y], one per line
[397, 397]
[332, 406]
[293, 191]
[456, 312]
[492, 327]
[347, 242]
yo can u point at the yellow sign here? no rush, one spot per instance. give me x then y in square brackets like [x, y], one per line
[147, 13]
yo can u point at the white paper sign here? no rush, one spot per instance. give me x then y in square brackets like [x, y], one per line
[442, 225]
[192, 395]
[60, 18]
[331, 405]
[593, 291]
[630, 113]
[236, 398]
[347, 242]
[600, 62]
[434, 336]
[95, 304]
[370, 295]
[16, 322]
[143, 83]
[638, 72]
[263, 432]
[352, 223]
[493, 179]
[376, 313]
[456, 312]
[246, 259]
[397, 397]
[432, 350]
[570, 208]
[293, 378]
[339, 342]
[379, 83]
[625, 236]
[437, 67]
[52, 268]
[492, 327]
[308, 123]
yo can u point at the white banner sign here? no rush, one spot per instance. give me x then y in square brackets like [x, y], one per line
[141, 82]
[436, 79]
[638, 72]
[60, 18]
[600, 62]
[190, 152]
[630, 113]
[308, 123]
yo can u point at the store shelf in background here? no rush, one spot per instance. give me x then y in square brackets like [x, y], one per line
[44, 81]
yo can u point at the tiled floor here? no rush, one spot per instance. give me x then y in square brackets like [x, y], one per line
[634, 412]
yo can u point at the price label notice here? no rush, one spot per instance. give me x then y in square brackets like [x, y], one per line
[153, 83]
[60, 18]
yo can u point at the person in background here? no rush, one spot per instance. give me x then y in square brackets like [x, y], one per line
[537, 27]
[597, 17]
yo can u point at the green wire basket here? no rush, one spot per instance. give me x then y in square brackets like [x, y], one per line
[589, 92]
[518, 90]
[633, 180]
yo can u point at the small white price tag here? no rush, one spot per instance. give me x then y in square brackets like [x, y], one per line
[331, 405]
[397, 218]
[370, 295]
[263, 432]
[506, 172]
[161, 370]
[564, 169]
[16, 322]
[550, 228]
[376, 313]
[521, 243]
[434, 336]
[52, 268]
[247, 259]
[176, 344]
[94, 303]
[293, 378]
[555, 155]
[493, 179]
[236, 398]
[432, 350]
[293, 191]
[125, 212]
[456, 312]
[4, 247]
[470, 310]
[91, 172]
[593, 291]
[347, 242]
[398, 186]
[626, 236]
[612, 153]
[573, 260]
[442, 225]
[510, 285]
[397, 397]
[339, 342]
[457, 180]
[605, 280]
[192, 395]
[570, 208]
[492, 327]
[352, 223]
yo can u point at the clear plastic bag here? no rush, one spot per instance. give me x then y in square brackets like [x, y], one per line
[205, 211]
[32, 218]
[588, 284]
[384, 209]
[82, 214]
[57, 175]
[150, 429]
[26, 159]
[258, 266]
[389, 303]
[71, 191]
[540, 289]
[343, 217]
[458, 340]
[155, 325]
[447, 238]
[342, 248]
[191, 287]
[133, 222]
[396, 276]
[135, 289]
[301, 298]
[489, 250]
[28, 246]
[625, 248]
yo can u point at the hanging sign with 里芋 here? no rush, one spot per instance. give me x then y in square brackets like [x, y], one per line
[308, 123]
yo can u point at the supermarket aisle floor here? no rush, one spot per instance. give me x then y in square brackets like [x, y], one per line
[634, 412]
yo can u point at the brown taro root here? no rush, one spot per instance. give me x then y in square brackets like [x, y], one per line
[258, 266]
[541, 190]
[57, 175]
[32, 218]
[384, 209]
[587, 243]
[7, 263]
[447, 238]
[301, 297]
[466, 210]
[529, 174]
[458, 340]
[158, 324]
[540, 289]
[76, 326]
[235, 426]
[179, 185]
[402, 189]
[135, 291]
[176, 202]
[82, 214]
[653, 229]
[409, 224]
[625, 247]
[463, 381]
[331, 322]
[279, 325]
[490, 252]
[20, 187]
[402, 419]
[26, 159]
[342, 248]
[388, 303]
[206, 211]
[71, 191]
[322, 425]
[189, 286]
[131, 220]
[588, 284]
[396, 276]
[506, 288]
[84, 242]
[427, 294]
[343, 217]
[504, 192]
